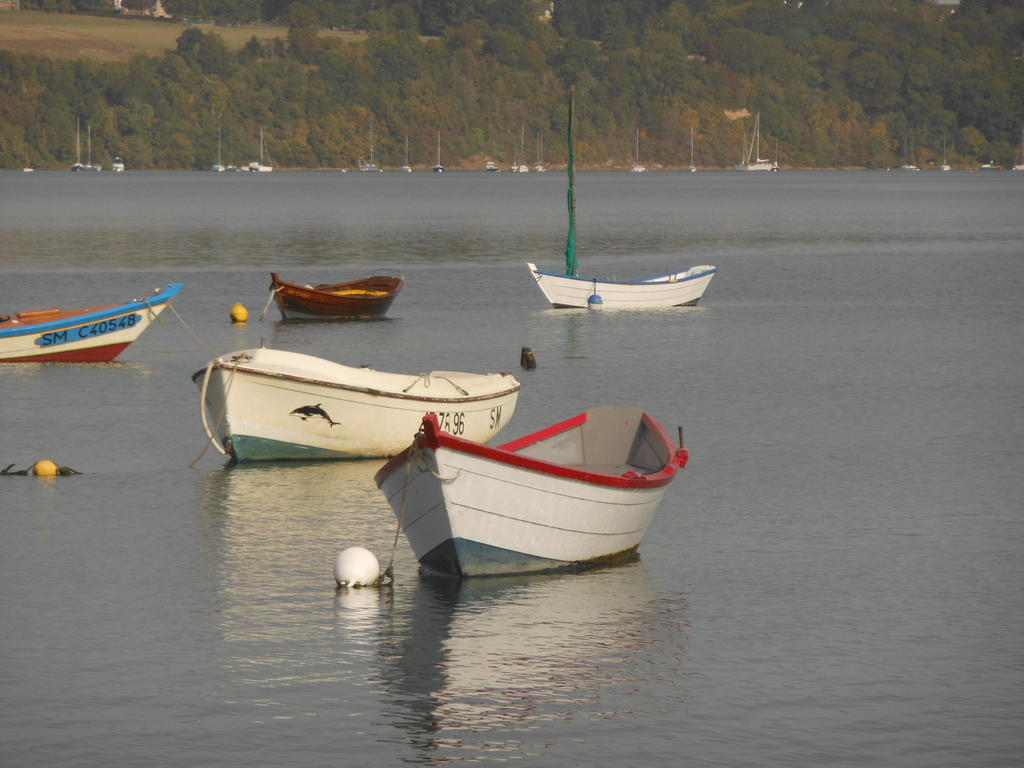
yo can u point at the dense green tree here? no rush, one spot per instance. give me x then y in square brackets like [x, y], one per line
[836, 83]
[873, 82]
[205, 52]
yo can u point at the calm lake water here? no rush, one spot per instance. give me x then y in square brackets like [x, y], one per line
[837, 578]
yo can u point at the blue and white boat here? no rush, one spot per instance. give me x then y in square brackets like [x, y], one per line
[87, 335]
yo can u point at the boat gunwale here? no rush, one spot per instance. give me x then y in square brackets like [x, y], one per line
[238, 368]
[88, 315]
[644, 281]
[279, 283]
[433, 438]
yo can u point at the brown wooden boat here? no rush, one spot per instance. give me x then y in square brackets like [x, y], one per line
[369, 297]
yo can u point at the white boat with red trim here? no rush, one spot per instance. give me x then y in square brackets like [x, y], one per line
[86, 335]
[271, 404]
[570, 289]
[577, 494]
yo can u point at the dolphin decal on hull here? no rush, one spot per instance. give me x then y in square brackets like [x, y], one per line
[314, 411]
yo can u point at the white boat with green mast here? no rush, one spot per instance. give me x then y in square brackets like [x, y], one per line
[572, 290]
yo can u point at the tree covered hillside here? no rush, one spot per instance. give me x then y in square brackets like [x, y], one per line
[836, 83]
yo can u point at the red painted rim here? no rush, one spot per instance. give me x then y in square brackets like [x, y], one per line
[433, 437]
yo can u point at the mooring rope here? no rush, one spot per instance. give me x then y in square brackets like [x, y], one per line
[266, 306]
[210, 435]
[454, 385]
[426, 381]
[425, 377]
[389, 572]
[189, 329]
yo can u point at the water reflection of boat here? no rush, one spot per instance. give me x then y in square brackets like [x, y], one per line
[478, 665]
[267, 535]
[276, 527]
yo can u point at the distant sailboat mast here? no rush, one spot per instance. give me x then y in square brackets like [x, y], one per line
[522, 166]
[693, 168]
[78, 145]
[219, 167]
[638, 167]
[407, 168]
[438, 168]
[539, 167]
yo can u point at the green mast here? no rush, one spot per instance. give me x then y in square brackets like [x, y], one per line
[571, 267]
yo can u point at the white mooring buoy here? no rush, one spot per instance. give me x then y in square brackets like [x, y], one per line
[356, 567]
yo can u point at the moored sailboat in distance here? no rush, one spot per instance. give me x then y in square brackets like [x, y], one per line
[907, 165]
[752, 160]
[259, 167]
[372, 166]
[539, 166]
[218, 167]
[438, 168]
[406, 168]
[693, 168]
[78, 164]
[519, 163]
[638, 167]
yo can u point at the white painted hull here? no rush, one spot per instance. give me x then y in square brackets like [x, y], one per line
[470, 514]
[760, 165]
[674, 290]
[252, 397]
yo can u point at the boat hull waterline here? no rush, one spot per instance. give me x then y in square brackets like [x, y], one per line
[678, 289]
[87, 335]
[367, 298]
[578, 494]
[272, 405]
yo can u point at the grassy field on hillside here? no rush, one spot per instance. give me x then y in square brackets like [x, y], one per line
[75, 36]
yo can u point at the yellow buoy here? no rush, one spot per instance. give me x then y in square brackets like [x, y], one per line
[239, 314]
[45, 468]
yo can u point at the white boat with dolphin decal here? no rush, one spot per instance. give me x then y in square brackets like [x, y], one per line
[87, 335]
[271, 404]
